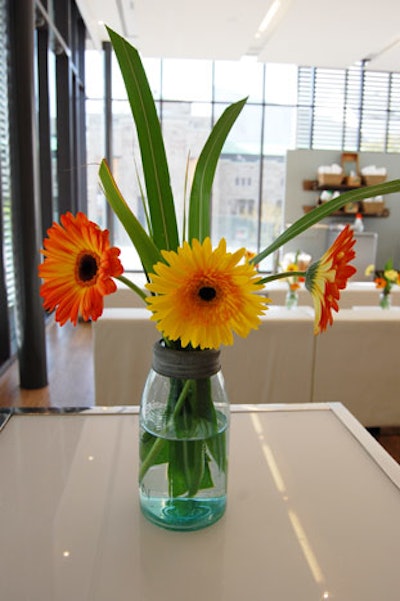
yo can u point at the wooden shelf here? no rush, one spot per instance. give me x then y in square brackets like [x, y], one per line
[384, 213]
[312, 186]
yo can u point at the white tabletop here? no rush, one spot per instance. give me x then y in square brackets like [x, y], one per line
[313, 513]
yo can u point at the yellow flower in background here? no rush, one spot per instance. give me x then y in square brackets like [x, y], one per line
[78, 269]
[369, 270]
[386, 278]
[391, 275]
[329, 275]
[203, 296]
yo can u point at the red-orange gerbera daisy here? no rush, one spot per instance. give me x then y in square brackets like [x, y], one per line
[78, 268]
[329, 275]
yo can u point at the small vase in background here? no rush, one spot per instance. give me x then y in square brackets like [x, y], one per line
[385, 301]
[184, 424]
[292, 299]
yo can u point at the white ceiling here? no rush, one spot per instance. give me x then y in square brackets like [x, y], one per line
[303, 32]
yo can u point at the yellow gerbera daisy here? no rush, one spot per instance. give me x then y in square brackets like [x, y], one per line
[77, 270]
[204, 295]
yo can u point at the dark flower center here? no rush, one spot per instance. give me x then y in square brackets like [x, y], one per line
[87, 268]
[207, 293]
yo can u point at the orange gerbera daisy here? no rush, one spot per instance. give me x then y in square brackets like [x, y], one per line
[380, 282]
[78, 268]
[204, 295]
[329, 275]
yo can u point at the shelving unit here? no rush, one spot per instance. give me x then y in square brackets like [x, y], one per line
[313, 186]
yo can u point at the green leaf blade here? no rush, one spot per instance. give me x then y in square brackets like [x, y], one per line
[199, 225]
[147, 250]
[154, 160]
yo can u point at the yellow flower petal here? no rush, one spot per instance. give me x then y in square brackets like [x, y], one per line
[204, 296]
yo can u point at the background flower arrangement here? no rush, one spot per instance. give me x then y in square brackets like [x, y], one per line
[198, 296]
[385, 280]
[294, 263]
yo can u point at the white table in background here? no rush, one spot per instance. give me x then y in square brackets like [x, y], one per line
[273, 364]
[357, 363]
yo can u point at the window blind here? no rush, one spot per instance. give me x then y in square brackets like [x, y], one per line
[5, 178]
[7, 269]
[348, 109]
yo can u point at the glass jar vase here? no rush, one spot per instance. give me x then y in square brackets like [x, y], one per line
[292, 299]
[184, 424]
[385, 301]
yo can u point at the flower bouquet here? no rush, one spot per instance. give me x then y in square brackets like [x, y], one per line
[384, 281]
[293, 263]
[199, 297]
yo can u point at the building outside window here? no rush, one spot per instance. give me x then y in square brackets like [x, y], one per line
[191, 95]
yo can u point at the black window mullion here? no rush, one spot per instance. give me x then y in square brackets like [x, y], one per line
[65, 164]
[46, 180]
[80, 124]
[25, 197]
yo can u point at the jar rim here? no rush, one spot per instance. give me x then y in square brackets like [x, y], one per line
[185, 363]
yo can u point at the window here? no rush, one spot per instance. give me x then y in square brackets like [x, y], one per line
[288, 107]
[7, 279]
[190, 96]
[348, 109]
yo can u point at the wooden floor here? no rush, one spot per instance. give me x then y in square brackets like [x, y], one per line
[71, 379]
[70, 372]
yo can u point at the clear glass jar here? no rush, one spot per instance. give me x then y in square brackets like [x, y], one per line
[385, 301]
[184, 425]
[292, 299]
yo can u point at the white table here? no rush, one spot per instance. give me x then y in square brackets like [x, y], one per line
[357, 363]
[273, 364]
[313, 513]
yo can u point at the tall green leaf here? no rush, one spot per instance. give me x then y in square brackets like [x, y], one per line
[199, 204]
[154, 160]
[147, 250]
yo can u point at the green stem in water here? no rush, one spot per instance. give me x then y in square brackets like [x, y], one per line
[160, 442]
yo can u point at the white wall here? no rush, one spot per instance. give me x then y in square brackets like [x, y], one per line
[303, 164]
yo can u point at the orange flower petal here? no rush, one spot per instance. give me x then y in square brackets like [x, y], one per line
[329, 275]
